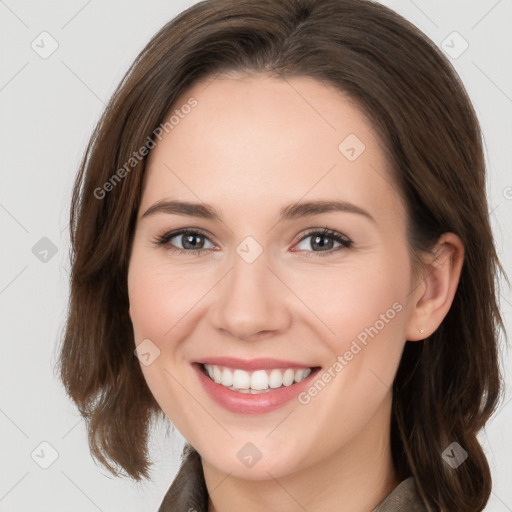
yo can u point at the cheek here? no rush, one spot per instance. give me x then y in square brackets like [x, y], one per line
[369, 308]
[364, 306]
[161, 296]
[365, 309]
[353, 299]
[160, 299]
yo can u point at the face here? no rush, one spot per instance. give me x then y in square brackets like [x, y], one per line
[257, 276]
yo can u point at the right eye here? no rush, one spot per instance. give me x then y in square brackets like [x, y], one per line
[192, 241]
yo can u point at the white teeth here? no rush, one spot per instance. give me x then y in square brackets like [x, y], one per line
[226, 378]
[257, 381]
[288, 377]
[301, 375]
[275, 379]
[241, 379]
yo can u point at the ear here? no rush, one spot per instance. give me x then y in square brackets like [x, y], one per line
[433, 296]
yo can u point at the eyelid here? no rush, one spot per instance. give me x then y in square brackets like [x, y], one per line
[344, 241]
[323, 231]
[164, 239]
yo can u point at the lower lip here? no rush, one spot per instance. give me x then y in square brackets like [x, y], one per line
[243, 403]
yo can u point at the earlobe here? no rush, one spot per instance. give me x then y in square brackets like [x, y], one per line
[434, 297]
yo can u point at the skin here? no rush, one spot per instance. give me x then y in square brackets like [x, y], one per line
[253, 145]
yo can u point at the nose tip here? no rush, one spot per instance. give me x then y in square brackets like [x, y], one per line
[244, 331]
[249, 303]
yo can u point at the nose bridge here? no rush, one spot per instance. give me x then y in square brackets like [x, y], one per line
[251, 297]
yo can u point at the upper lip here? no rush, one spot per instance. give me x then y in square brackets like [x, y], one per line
[260, 363]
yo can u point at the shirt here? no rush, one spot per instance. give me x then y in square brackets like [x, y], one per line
[188, 492]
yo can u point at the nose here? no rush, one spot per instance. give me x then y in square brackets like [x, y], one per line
[251, 302]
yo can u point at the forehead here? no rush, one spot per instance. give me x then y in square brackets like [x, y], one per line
[254, 140]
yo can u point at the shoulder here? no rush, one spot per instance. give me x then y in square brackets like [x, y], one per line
[404, 498]
[188, 490]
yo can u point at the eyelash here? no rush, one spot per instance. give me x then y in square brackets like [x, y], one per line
[345, 242]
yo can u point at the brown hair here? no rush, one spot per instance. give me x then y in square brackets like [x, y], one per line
[448, 385]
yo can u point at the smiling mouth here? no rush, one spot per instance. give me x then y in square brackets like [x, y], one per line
[257, 381]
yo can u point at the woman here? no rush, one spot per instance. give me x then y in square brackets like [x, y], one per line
[283, 211]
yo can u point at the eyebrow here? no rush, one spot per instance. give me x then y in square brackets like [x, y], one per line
[290, 212]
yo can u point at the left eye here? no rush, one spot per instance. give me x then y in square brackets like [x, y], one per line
[323, 241]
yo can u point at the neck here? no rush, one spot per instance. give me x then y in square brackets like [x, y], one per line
[355, 478]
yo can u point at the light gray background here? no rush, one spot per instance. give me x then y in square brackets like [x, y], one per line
[48, 109]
